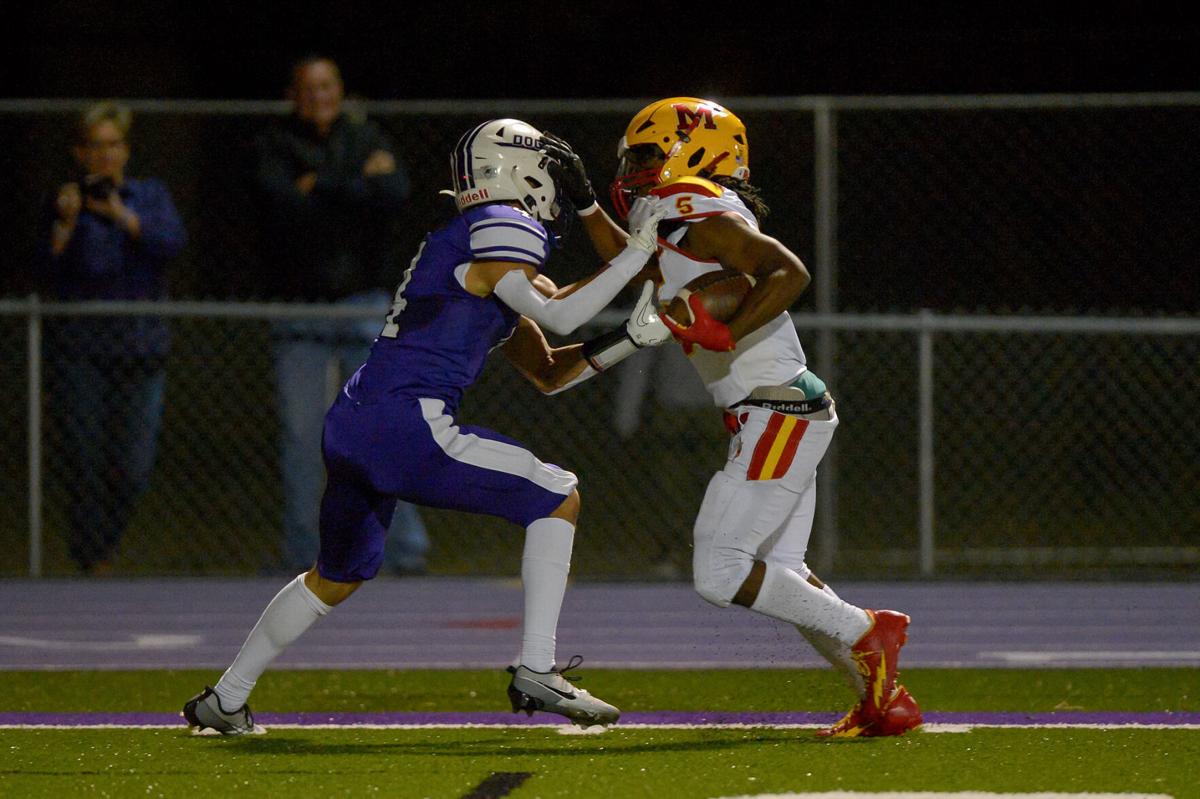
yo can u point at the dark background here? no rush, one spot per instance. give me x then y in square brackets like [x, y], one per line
[1058, 211]
[188, 49]
[1045, 211]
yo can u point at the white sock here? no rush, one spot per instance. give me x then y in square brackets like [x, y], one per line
[837, 653]
[290, 613]
[787, 596]
[544, 568]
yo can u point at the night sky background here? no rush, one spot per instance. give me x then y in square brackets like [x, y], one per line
[1056, 244]
[173, 48]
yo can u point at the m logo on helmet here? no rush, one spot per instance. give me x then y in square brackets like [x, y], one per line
[689, 119]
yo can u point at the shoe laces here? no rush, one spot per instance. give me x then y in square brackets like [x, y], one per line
[574, 662]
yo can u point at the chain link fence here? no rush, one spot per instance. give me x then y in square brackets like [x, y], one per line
[1031, 450]
[1053, 453]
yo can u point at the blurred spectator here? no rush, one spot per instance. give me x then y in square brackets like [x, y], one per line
[330, 188]
[108, 237]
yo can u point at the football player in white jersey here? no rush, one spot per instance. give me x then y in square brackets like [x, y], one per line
[753, 527]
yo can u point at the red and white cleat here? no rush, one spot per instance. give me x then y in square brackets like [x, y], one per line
[900, 714]
[877, 656]
[853, 725]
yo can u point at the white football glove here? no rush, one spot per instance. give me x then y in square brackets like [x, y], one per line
[644, 326]
[644, 217]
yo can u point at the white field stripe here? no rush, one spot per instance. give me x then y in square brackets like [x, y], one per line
[1084, 657]
[138, 642]
[487, 453]
[925, 728]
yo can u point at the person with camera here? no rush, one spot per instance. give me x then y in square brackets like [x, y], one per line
[110, 237]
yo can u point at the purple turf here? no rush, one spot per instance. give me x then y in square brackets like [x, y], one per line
[474, 623]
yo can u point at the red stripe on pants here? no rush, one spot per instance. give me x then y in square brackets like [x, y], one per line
[789, 449]
[763, 448]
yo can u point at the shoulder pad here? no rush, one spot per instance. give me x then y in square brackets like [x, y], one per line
[690, 185]
[503, 233]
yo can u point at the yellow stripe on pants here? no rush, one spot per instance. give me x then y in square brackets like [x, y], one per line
[781, 439]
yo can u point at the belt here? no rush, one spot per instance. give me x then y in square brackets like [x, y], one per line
[794, 407]
[787, 399]
[780, 399]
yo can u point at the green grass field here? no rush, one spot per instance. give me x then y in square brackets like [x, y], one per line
[633, 762]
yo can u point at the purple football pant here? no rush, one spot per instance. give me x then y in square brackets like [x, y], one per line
[410, 449]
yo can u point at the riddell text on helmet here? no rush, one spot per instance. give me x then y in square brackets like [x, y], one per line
[474, 196]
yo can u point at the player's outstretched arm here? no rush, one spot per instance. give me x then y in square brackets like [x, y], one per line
[644, 328]
[606, 236]
[569, 309]
[557, 369]
[550, 369]
[780, 276]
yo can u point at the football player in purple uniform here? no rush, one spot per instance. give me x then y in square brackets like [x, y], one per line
[474, 285]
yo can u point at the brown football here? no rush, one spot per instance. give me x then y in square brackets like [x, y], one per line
[721, 292]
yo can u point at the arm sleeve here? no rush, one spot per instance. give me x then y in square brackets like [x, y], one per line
[562, 316]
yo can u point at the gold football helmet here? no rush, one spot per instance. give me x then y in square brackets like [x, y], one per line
[678, 136]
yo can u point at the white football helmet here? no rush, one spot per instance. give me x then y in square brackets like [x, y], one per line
[503, 159]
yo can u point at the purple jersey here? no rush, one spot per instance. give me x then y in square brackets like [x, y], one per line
[392, 432]
[437, 335]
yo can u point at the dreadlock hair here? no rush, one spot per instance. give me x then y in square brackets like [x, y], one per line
[750, 194]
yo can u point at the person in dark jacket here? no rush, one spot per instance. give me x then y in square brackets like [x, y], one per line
[109, 237]
[330, 187]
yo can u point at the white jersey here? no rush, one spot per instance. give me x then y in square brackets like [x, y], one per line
[770, 355]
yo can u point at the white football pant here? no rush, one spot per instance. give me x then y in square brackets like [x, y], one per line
[761, 505]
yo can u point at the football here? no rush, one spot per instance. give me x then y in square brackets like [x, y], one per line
[720, 291]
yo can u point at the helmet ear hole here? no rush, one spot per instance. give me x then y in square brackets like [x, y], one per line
[696, 158]
[504, 160]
